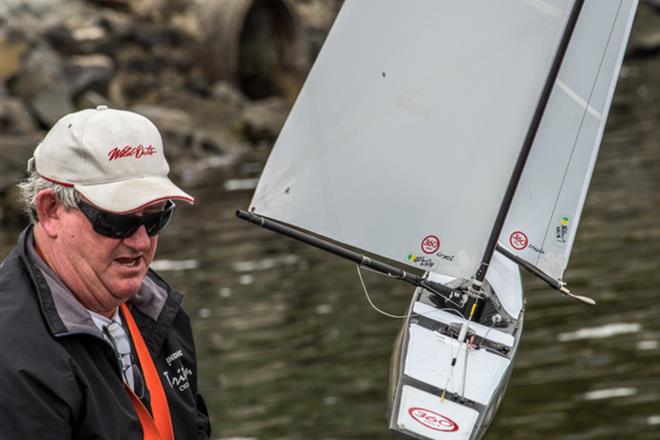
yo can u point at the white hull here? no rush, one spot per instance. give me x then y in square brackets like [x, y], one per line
[473, 387]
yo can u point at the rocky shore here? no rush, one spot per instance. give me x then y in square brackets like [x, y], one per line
[217, 76]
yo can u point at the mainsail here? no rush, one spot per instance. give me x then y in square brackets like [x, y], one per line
[543, 218]
[437, 97]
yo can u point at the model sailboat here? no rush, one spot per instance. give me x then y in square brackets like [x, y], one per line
[446, 136]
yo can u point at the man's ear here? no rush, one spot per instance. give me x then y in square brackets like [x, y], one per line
[49, 211]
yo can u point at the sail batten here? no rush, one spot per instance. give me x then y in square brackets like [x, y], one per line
[547, 8]
[579, 99]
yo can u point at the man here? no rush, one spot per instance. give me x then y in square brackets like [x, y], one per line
[93, 344]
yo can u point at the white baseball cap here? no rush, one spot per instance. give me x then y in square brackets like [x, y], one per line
[114, 158]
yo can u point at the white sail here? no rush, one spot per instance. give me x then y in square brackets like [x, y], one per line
[405, 134]
[543, 218]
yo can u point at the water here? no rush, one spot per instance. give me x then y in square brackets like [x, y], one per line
[289, 349]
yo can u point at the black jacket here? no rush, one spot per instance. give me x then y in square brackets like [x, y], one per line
[60, 379]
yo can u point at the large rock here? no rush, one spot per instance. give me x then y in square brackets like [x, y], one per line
[122, 5]
[175, 125]
[116, 92]
[263, 120]
[13, 47]
[41, 83]
[35, 14]
[152, 58]
[92, 99]
[194, 128]
[226, 93]
[11, 212]
[654, 3]
[152, 9]
[14, 154]
[14, 116]
[646, 46]
[89, 72]
[318, 14]
[78, 36]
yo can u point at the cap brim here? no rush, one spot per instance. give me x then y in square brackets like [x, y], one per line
[129, 195]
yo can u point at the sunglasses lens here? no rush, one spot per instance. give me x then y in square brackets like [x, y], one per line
[154, 224]
[119, 226]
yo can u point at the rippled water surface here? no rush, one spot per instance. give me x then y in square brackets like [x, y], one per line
[289, 348]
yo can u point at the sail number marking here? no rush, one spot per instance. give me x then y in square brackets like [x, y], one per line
[432, 420]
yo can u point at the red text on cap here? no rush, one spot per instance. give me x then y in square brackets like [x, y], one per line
[130, 151]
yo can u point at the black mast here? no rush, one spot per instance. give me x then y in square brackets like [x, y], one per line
[527, 146]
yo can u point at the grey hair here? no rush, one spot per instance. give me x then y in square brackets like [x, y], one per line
[33, 185]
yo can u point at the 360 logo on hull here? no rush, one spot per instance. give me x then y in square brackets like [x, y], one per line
[432, 420]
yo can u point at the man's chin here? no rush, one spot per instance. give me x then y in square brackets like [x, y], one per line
[125, 289]
[123, 283]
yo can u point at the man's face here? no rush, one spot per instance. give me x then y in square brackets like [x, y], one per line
[110, 270]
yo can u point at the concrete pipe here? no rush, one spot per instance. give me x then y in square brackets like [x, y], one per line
[256, 45]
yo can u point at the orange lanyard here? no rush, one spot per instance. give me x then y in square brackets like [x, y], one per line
[158, 427]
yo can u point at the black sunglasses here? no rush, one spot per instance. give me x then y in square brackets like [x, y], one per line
[123, 226]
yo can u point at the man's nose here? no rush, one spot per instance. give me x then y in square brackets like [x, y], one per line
[139, 240]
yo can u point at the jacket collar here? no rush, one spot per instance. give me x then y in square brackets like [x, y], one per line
[156, 302]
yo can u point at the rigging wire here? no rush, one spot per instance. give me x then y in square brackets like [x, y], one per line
[423, 284]
[373, 306]
[389, 315]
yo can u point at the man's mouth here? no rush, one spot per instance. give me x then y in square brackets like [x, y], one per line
[128, 262]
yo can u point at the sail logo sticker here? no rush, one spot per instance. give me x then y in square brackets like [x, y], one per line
[430, 244]
[432, 420]
[420, 260]
[562, 230]
[518, 240]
